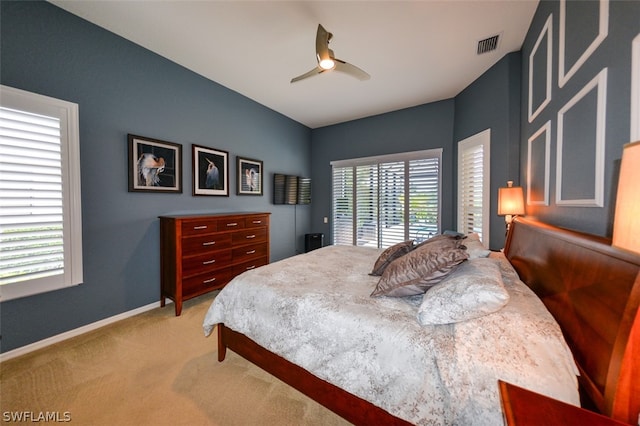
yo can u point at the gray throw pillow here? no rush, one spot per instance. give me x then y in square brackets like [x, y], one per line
[391, 254]
[417, 271]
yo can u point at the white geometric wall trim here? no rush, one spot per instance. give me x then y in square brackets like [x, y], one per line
[546, 30]
[538, 146]
[600, 84]
[635, 89]
[603, 31]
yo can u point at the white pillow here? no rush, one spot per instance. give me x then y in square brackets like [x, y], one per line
[475, 248]
[473, 290]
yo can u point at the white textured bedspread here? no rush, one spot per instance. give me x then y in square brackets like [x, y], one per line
[315, 310]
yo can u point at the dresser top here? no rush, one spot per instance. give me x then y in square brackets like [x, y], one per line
[217, 214]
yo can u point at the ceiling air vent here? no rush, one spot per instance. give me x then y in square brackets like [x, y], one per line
[488, 44]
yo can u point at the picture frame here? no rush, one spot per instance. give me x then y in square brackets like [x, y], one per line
[210, 171]
[154, 165]
[249, 176]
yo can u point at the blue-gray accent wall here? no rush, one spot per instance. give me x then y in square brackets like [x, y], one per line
[413, 129]
[493, 102]
[123, 88]
[614, 53]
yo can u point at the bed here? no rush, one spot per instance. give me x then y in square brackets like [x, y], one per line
[569, 329]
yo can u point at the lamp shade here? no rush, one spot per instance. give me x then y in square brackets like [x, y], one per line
[626, 224]
[510, 200]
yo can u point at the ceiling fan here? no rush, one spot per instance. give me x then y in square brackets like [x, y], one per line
[327, 60]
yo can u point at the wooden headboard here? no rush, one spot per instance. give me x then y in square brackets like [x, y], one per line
[593, 291]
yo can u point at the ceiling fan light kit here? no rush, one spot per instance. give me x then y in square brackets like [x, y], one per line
[327, 64]
[327, 60]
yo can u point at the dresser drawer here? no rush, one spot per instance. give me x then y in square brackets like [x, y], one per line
[255, 221]
[240, 254]
[205, 243]
[194, 265]
[247, 266]
[199, 226]
[207, 281]
[250, 236]
[230, 224]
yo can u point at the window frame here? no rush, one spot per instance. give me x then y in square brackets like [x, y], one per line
[482, 139]
[406, 157]
[67, 113]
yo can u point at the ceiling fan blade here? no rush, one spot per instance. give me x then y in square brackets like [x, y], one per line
[322, 44]
[327, 60]
[352, 70]
[315, 71]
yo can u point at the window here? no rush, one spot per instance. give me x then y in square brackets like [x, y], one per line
[381, 201]
[40, 215]
[473, 185]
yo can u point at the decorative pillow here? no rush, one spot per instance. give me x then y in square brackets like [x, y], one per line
[417, 271]
[474, 289]
[475, 247]
[437, 238]
[391, 254]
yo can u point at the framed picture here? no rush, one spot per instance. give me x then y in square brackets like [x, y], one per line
[154, 165]
[249, 176]
[210, 171]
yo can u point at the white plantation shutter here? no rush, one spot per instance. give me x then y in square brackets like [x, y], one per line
[40, 236]
[473, 185]
[343, 206]
[366, 204]
[392, 198]
[424, 198]
[392, 190]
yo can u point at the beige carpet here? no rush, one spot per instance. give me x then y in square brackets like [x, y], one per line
[152, 369]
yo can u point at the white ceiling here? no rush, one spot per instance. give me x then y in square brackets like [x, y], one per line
[415, 51]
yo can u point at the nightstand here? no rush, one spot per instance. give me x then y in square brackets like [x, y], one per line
[522, 407]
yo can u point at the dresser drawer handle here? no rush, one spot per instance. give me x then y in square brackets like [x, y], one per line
[257, 222]
[250, 267]
[250, 236]
[232, 224]
[200, 227]
[210, 280]
[208, 243]
[251, 251]
[209, 262]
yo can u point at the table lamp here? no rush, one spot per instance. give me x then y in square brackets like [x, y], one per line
[510, 202]
[626, 223]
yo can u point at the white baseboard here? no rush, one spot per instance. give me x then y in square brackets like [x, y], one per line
[76, 332]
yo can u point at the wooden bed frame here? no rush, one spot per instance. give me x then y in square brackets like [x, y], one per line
[591, 288]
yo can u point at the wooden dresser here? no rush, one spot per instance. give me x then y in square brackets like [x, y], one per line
[201, 253]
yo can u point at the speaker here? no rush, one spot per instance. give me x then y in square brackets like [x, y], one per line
[313, 241]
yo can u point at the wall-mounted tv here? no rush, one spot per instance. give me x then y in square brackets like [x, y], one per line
[290, 189]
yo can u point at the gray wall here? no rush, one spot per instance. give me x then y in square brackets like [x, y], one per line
[493, 102]
[122, 88]
[615, 54]
[412, 129]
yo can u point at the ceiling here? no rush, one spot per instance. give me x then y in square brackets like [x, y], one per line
[416, 52]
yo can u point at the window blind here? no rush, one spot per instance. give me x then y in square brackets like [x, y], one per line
[31, 222]
[381, 201]
[40, 213]
[473, 186]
